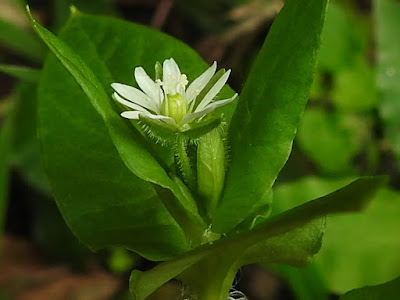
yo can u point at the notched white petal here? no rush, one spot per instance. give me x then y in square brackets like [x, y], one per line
[170, 68]
[134, 95]
[151, 88]
[128, 92]
[217, 87]
[160, 117]
[190, 117]
[133, 115]
[128, 103]
[200, 83]
[222, 102]
[209, 108]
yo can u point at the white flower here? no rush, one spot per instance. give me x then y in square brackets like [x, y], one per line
[168, 99]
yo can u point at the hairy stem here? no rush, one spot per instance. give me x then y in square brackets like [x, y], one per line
[183, 160]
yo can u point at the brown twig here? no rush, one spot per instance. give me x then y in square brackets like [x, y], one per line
[163, 9]
[250, 18]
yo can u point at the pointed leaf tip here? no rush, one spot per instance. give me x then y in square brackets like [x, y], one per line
[29, 14]
[32, 20]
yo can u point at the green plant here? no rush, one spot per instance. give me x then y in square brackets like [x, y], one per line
[189, 181]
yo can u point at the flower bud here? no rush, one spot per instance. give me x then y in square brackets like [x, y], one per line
[211, 169]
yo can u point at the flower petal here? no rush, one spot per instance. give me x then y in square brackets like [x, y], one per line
[200, 82]
[129, 103]
[213, 91]
[136, 96]
[148, 86]
[133, 115]
[159, 117]
[190, 117]
[171, 69]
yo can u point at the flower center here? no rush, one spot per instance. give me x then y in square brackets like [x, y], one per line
[174, 106]
[173, 84]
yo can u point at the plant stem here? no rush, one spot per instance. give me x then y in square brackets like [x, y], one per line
[184, 162]
[212, 277]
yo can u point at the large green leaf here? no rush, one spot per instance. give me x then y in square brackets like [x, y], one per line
[387, 13]
[291, 238]
[269, 110]
[351, 242]
[100, 199]
[388, 290]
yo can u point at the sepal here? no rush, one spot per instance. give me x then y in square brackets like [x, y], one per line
[163, 133]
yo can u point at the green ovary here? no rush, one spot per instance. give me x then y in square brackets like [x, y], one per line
[174, 106]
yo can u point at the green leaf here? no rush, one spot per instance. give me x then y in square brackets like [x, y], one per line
[147, 167]
[287, 196]
[291, 238]
[354, 88]
[199, 129]
[103, 203]
[21, 41]
[24, 142]
[344, 36]
[351, 242]
[269, 110]
[304, 242]
[261, 212]
[76, 139]
[362, 249]
[330, 141]
[387, 13]
[24, 74]
[388, 290]
[142, 284]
